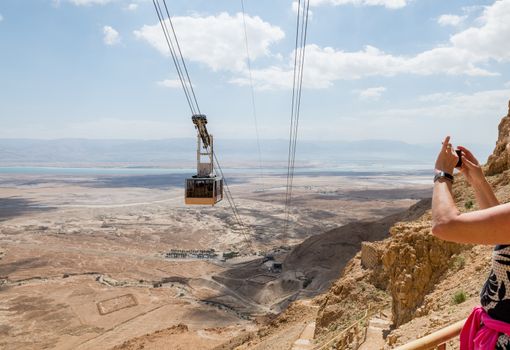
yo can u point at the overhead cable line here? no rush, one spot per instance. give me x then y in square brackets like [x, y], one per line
[254, 109]
[184, 83]
[297, 84]
[182, 57]
[183, 74]
[232, 203]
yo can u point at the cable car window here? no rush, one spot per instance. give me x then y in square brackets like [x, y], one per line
[200, 188]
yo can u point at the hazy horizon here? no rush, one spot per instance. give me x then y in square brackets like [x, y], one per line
[180, 153]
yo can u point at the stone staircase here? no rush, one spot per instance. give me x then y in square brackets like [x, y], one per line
[374, 339]
[305, 341]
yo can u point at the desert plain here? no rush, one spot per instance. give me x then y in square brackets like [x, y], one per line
[83, 261]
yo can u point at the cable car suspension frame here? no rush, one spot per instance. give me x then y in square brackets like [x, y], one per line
[183, 74]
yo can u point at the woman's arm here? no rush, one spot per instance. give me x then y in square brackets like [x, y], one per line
[444, 210]
[473, 173]
[487, 226]
[484, 194]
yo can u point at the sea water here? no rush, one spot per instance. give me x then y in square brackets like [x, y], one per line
[349, 168]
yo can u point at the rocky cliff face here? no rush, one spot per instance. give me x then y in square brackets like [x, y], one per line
[499, 161]
[409, 270]
[365, 279]
[348, 299]
[412, 261]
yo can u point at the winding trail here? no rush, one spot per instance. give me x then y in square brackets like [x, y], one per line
[305, 341]
[174, 199]
[375, 332]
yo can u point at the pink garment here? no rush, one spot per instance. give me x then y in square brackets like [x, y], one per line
[475, 336]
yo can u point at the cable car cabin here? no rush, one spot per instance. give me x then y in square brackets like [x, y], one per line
[203, 190]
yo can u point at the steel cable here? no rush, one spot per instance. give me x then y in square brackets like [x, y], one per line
[171, 48]
[299, 60]
[254, 109]
[191, 98]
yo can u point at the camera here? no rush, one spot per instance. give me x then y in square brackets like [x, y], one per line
[459, 154]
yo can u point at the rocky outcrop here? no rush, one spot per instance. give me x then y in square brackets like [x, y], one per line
[360, 286]
[414, 260]
[322, 257]
[499, 161]
[348, 299]
[403, 269]
[412, 271]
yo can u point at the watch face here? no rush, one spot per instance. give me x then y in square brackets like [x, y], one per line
[444, 175]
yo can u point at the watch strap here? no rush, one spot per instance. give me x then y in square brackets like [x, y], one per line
[443, 175]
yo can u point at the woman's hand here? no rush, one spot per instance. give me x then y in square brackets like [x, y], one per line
[471, 168]
[447, 158]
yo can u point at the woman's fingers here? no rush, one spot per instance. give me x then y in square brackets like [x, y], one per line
[447, 158]
[465, 150]
[446, 142]
[469, 164]
[467, 154]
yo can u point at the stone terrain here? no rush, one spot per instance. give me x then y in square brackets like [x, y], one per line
[499, 160]
[407, 277]
[362, 256]
[83, 257]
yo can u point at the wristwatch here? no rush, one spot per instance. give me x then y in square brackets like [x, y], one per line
[443, 175]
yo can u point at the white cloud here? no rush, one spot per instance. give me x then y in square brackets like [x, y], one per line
[490, 40]
[131, 7]
[216, 41]
[507, 84]
[467, 112]
[472, 8]
[468, 118]
[170, 83]
[324, 66]
[266, 79]
[450, 20]
[467, 53]
[437, 97]
[462, 106]
[90, 2]
[295, 7]
[373, 93]
[111, 36]
[391, 4]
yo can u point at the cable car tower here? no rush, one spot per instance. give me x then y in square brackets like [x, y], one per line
[204, 188]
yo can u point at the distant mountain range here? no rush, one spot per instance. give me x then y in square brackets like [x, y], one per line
[181, 152]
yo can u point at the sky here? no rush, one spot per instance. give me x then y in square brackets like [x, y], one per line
[408, 70]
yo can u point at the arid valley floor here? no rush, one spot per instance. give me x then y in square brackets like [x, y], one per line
[83, 266]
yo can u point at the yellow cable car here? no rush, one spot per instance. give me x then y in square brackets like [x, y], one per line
[204, 191]
[205, 188]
